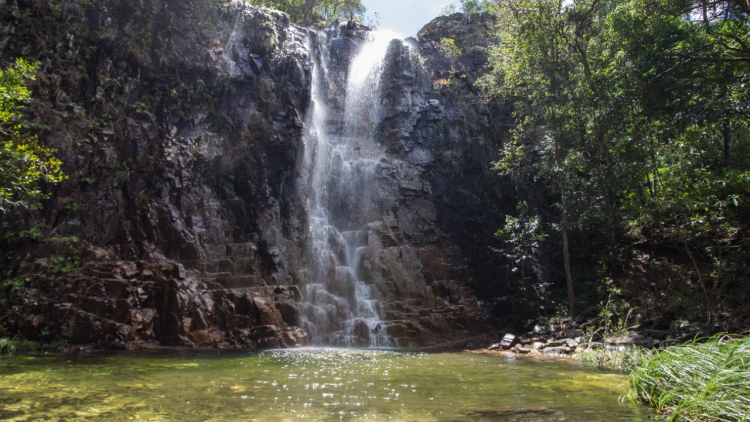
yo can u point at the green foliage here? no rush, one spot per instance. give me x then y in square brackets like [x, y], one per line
[632, 117]
[14, 284]
[615, 312]
[229, 187]
[475, 7]
[125, 172]
[448, 9]
[467, 7]
[141, 107]
[24, 164]
[450, 50]
[511, 158]
[624, 359]
[11, 345]
[697, 381]
[62, 265]
[522, 236]
[311, 12]
[448, 47]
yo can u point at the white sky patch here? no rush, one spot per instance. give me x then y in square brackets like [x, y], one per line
[404, 16]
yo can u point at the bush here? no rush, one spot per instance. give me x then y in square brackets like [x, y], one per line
[697, 381]
[624, 359]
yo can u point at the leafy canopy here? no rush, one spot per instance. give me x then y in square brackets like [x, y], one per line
[632, 117]
[24, 164]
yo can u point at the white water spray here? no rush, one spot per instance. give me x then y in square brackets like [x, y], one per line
[341, 159]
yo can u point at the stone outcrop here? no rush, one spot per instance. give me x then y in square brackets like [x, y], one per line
[442, 133]
[184, 220]
[448, 131]
[180, 129]
[129, 305]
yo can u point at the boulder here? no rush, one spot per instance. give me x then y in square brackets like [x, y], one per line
[508, 341]
[557, 351]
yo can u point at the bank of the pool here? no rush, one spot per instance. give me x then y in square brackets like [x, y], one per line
[698, 381]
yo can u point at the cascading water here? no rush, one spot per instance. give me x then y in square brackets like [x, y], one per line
[341, 160]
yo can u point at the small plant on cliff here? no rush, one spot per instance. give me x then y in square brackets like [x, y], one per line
[124, 173]
[24, 164]
[450, 50]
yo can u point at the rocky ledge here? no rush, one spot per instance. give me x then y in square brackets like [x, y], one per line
[570, 341]
[132, 305]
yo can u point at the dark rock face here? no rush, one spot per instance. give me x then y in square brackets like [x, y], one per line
[155, 304]
[447, 133]
[181, 128]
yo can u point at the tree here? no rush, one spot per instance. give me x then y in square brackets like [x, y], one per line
[312, 12]
[633, 117]
[542, 63]
[24, 164]
[522, 236]
[353, 11]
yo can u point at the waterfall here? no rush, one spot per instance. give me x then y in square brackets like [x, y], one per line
[341, 159]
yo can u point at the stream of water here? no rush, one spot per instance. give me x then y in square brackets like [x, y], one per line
[307, 384]
[341, 159]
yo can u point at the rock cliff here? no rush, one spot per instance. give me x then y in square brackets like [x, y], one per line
[184, 220]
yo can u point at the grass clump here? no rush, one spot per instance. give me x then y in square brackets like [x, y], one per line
[619, 359]
[10, 345]
[698, 381]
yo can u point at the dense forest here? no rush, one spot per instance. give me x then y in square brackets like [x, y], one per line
[631, 152]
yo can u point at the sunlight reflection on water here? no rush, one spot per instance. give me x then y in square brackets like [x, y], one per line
[307, 384]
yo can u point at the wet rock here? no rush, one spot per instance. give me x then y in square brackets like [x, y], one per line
[633, 339]
[201, 338]
[291, 312]
[541, 329]
[509, 340]
[571, 343]
[557, 351]
[555, 343]
[573, 333]
[522, 350]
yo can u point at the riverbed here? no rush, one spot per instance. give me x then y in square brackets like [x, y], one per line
[307, 384]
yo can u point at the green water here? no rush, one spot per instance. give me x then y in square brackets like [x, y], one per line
[309, 384]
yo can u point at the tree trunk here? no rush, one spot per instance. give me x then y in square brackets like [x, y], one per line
[566, 249]
[727, 133]
[568, 276]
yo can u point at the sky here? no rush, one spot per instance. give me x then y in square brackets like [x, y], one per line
[406, 17]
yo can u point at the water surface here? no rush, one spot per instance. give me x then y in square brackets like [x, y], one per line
[307, 384]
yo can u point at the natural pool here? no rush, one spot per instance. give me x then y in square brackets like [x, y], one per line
[307, 384]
